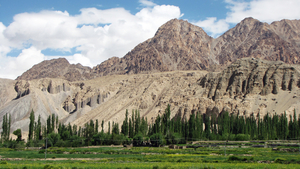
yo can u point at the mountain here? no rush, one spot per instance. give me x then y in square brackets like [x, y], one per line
[252, 38]
[179, 45]
[57, 68]
[247, 86]
[255, 70]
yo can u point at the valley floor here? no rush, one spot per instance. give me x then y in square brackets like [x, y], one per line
[233, 156]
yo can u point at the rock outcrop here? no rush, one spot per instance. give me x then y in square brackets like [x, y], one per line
[250, 76]
[82, 98]
[22, 88]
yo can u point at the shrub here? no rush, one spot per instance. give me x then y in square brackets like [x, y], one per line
[59, 151]
[3, 162]
[155, 167]
[242, 137]
[42, 151]
[156, 139]
[138, 139]
[280, 160]
[48, 166]
[235, 158]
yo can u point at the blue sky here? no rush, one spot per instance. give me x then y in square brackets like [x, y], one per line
[193, 10]
[91, 31]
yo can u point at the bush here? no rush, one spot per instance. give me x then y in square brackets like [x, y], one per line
[156, 139]
[138, 139]
[280, 160]
[48, 167]
[155, 167]
[242, 137]
[235, 158]
[3, 162]
[173, 138]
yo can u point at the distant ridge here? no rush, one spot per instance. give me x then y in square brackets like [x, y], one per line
[180, 45]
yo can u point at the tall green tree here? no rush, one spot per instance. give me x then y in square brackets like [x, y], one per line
[137, 122]
[125, 125]
[166, 120]
[31, 126]
[96, 126]
[6, 127]
[192, 128]
[102, 126]
[49, 126]
[130, 131]
[38, 129]
[207, 124]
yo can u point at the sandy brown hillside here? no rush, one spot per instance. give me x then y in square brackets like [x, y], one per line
[247, 86]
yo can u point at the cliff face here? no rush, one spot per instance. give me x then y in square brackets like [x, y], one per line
[250, 77]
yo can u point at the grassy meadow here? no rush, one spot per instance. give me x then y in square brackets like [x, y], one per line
[151, 157]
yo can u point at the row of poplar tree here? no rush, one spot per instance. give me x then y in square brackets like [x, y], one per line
[163, 130]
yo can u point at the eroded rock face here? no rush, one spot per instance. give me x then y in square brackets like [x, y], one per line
[83, 98]
[22, 88]
[248, 77]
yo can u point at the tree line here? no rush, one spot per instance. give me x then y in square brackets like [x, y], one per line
[164, 130]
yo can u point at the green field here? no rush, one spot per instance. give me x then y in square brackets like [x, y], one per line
[150, 157]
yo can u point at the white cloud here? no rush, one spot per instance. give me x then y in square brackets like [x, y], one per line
[11, 67]
[263, 10]
[212, 26]
[96, 34]
[147, 3]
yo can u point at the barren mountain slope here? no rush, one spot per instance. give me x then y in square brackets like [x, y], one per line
[252, 38]
[247, 86]
[57, 68]
[179, 45]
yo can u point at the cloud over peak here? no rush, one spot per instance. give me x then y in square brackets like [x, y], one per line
[95, 34]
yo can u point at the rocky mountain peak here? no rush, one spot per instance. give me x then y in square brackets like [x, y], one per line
[181, 28]
[180, 45]
[57, 68]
